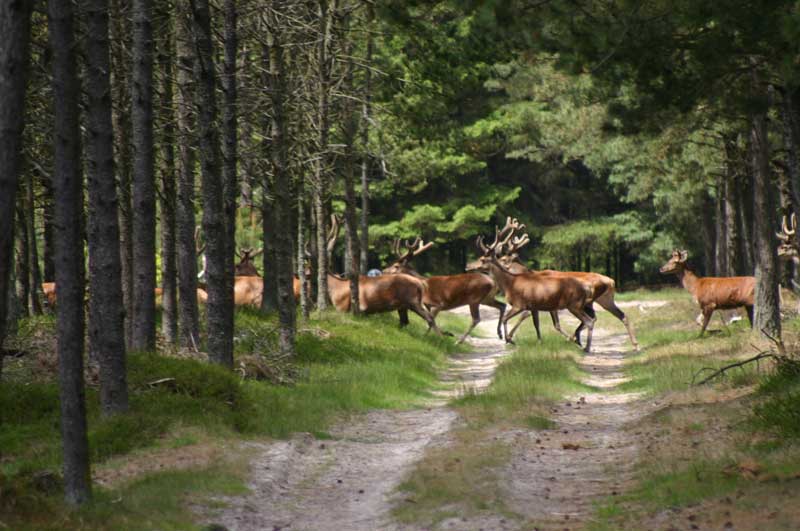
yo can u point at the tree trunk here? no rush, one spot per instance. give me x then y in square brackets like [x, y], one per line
[731, 204]
[301, 256]
[767, 311]
[169, 269]
[144, 199]
[188, 314]
[33, 251]
[106, 315]
[324, 60]
[122, 130]
[220, 320]
[366, 111]
[269, 226]
[68, 188]
[23, 275]
[745, 190]
[282, 178]
[350, 131]
[721, 229]
[230, 141]
[47, 221]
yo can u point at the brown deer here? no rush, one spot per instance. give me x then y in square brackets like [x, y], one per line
[603, 290]
[712, 293]
[534, 291]
[246, 267]
[384, 293]
[446, 292]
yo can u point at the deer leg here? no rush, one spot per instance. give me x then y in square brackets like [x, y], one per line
[426, 315]
[403, 314]
[750, 314]
[611, 307]
[586, 320]
[475, 311]
[501, 306]
[557, 324]
[519, 323]
[707, 313]
[434, 311]
[511, 313]
[589, 310]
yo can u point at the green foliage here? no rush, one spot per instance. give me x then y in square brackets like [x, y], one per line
[780, 409]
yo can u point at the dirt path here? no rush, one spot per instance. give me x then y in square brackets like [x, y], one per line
[556, 476]
[346, 483]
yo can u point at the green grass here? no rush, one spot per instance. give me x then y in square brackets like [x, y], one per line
[645, 294]
[155, 501]
[533, 376]
[344, 365]
[461, 479]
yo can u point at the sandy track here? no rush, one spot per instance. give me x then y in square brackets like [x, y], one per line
[556, 476]
[553, 477]
[346, 484]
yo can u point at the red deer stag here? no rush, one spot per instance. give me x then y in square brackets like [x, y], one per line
[534, 291]
[712, 293]
[449, 291]
[603, 290]
[385, 293]
[246, 267]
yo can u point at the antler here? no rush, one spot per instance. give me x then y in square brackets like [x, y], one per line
[333, 233]
[787, 234]
[518, 243]
[198, 248]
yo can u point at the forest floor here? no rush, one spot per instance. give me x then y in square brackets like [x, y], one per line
[546, 477]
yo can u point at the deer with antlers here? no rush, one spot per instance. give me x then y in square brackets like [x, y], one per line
[534, 291]
[384, 293]
[246, 267]
[603, 289]
[712, 293]
[448, 291]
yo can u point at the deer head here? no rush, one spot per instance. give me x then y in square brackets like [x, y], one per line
[676, 263]
[489, 252]
[403, 257]
[246, 267]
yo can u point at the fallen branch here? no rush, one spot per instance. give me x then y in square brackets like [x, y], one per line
[718, 372]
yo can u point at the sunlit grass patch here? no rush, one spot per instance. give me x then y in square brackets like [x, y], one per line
[344, 365]
[459, 479]
[646, 294]
[533, 376]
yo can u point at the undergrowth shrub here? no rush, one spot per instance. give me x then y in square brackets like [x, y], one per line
[780, 409]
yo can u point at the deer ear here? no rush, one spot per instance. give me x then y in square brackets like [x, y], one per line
[684, 255]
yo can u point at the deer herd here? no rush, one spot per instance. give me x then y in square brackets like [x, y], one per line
[498, 270]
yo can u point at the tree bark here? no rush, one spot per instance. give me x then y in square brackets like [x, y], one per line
[320, 191]
[122, 130]
[230, 154]
[106, 315]
[282, 179]
[33, 251]
[366, 111]
[68, 188]
[767, 312]
[23, 275]
[721, 229]
[47, 221]
[731, 204]
[169, 268]
[220, 321]
[301, 256]
[188, 314]
[269, 224]
[745, 190]
[144, 198]
[350, 131]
